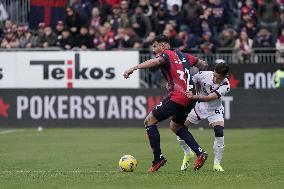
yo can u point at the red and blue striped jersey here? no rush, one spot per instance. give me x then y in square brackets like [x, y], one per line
[176, 69]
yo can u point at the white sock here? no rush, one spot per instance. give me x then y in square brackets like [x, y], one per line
[218, 149]
[186, 149]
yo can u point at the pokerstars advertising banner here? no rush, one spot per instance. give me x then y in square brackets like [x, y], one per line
[126, 107]
[253, 76]
[70, 69]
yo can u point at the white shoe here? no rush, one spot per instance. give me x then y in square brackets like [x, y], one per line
[218, 167]
[186, 161]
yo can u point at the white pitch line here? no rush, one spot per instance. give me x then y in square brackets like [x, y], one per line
[11, 131]
[42, 171]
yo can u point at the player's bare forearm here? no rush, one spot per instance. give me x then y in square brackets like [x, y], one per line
[197, 88]
[201, 65]
[210, 97]
[155, 62]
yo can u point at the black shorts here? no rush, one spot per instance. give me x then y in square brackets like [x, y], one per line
[168, 108]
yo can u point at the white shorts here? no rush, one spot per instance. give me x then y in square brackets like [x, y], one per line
[199, 113]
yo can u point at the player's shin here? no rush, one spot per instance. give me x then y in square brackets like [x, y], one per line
[154, 139]
[185, 135]
[219, 145]
[186, 149]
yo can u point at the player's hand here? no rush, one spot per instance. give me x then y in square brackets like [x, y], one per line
[189, 94]
[128, 72]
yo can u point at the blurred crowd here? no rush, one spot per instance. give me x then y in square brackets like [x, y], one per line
[204, 26]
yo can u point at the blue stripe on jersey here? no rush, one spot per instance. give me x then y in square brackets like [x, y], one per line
[186, 65]
[166, 71]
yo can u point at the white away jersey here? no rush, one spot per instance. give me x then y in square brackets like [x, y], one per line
[205, 79]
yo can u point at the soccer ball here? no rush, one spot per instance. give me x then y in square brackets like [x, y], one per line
[127, 163]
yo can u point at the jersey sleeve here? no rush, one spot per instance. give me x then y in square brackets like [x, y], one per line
[223, 89]
[192, 59]
[163, 59]
[197, 77]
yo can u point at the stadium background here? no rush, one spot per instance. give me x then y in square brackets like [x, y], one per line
[60, 71]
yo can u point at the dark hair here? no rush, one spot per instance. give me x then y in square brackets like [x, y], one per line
[161, 39]
[222, 69]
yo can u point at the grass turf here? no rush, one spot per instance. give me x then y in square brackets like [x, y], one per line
[88, 158]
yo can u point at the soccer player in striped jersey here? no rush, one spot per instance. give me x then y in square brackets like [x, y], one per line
[211, 86]
[175, 66]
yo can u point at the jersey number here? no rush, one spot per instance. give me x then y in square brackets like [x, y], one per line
[185, 79]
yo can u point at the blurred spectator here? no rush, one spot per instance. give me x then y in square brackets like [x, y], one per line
[122, 40]
[243, 48]
[73, 21]
[108, 29]
[96, 20]
[135, 40]
[124, 5]
[171, 33]
[103, 40]
[268, 13]
[248, 10]
[191, 12]
[7, 25]
[41, 27]
[83, 8]
[176, 17]
[147, 43]
[126, 38]
[140, 23]
[27, 40]
[227, 38]
[147, 8]
[84, 39]
[206, 21]
[67, 41]
[188, 40]
[250, 28]
[104, 7]
[58, 29]
[264, 39]
[160, 20]
[219, 17]
[10, 40]
[115, 19]
[20, 31]
[280, 47]
[48, 39]
[233, 13]
[207, 44]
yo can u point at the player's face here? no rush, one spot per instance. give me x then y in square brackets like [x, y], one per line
[217, 78]
[159, 47]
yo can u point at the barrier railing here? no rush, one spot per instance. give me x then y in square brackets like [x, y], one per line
[17, 10]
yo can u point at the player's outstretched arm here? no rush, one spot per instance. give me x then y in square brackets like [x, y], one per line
[154, 62]
[210, 97]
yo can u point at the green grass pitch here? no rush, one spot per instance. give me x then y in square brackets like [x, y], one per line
[88, 158]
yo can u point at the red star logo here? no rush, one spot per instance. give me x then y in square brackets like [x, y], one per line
[4, 108]
[233, 81]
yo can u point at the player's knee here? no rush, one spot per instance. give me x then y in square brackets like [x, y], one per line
[174, 126]
[219, 131]
[150, 120]
[187, 123]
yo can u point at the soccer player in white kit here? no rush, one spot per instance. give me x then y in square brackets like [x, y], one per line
[210, 88]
